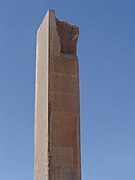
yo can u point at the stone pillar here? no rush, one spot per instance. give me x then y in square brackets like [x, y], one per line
[57, 108]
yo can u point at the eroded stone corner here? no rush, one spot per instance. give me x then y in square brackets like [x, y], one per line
[68, 36]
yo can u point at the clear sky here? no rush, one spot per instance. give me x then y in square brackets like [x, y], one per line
[106, 51]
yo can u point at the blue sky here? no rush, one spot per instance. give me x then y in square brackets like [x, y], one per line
[106, 51]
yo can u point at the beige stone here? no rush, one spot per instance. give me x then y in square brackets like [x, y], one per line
[57, 108]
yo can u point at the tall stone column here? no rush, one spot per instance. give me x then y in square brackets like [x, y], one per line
[57, 108]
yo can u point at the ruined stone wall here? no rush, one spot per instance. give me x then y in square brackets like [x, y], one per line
[62, 119]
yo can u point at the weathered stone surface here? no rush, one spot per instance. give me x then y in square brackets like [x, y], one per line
[57, 109]
[68, 36]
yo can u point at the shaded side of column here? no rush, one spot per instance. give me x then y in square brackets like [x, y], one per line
[64, 107]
